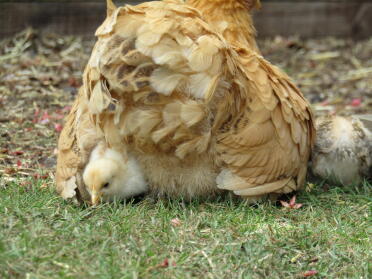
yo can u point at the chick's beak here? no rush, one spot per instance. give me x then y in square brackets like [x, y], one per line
[96, 197]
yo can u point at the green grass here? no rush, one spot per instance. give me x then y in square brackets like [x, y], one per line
[42, 236]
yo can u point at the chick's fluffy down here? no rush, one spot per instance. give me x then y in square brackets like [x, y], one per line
[343, 150]
[111, 175]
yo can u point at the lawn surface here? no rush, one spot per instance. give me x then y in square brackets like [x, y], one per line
[43, 236]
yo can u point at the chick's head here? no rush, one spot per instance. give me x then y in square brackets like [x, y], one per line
[101, 177]
[112, 174]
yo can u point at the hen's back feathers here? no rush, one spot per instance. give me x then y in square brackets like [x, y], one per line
[158, 77]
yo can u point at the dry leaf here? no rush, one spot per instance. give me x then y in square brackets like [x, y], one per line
[292, 204]
[310, 273]
[176, 222]
[166, 263]
[58, 127]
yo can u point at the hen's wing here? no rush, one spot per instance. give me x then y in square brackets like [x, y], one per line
[268, 144]
[77, 139]
[155, 77]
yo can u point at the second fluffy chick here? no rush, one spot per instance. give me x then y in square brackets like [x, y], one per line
[110, 175]
[343, 150]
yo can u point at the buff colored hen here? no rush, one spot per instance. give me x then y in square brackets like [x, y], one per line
[192, 100]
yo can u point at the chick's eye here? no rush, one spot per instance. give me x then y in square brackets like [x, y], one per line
[106, 185]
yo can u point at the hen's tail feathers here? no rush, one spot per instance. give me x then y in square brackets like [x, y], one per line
[228, 181]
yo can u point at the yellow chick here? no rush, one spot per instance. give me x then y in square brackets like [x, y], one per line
[343, 150]
[109, 175]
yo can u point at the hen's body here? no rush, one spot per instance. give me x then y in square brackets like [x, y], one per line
[198, 112]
